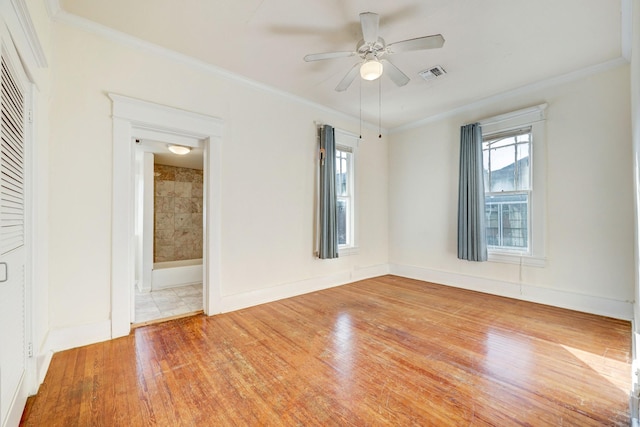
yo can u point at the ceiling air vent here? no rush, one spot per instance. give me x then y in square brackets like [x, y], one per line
[432, 73]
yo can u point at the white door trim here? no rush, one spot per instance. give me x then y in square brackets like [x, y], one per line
[130, 118]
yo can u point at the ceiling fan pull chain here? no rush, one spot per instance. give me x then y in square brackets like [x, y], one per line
[379, 108]
[360, 109]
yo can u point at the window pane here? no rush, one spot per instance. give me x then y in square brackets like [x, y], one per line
[341, 184]
[343, 160]
[342, 215]
[502, 142]
[502, 168]
[514, 225]
[485, 169]
[493, 230]
[507, 219]
[524, 173]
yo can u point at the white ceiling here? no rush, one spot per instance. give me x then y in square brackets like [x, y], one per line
[162, 156]
[492, 46]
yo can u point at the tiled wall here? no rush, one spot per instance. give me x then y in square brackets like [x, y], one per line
[178, 213]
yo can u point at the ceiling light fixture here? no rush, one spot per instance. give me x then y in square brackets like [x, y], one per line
[371, 69]
[179, 149]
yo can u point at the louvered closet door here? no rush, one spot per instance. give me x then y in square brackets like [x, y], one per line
[12, 237]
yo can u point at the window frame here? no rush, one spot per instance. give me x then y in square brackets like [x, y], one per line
[348, 142]
[533, 117]
[517, 189]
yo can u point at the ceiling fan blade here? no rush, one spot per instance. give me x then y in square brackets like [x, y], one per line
[327, 55]
[348, 79]
[420, 43]
[369, 22]
[394, 73]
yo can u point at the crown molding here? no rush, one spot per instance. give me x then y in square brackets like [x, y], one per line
[626, 27]
[523, 90]
[57, 14]
[28, 32]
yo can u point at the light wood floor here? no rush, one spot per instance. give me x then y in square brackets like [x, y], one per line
[384, 351]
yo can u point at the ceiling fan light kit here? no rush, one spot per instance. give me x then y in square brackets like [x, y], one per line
[372, 49]
[371, 70]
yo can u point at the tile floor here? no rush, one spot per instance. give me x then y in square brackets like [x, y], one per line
[168, 302]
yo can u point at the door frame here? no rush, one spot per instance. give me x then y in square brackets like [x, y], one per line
[136, 118]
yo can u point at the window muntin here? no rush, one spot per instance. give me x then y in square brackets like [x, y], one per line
[507, 177]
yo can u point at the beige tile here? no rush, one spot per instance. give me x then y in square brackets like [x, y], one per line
[165, 221]
[183, 204]
[182, 221]
[196, 189]
[164, 253]
[166, 173]
[164, 204]
[183, 189]
[165, 188]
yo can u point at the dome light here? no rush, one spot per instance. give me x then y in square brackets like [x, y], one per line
[179, 149]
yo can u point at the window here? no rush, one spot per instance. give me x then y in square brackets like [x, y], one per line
[507, 179]
[514, 178]
[346, 145]
[344, 192]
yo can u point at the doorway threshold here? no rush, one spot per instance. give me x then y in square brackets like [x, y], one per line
[166, 319]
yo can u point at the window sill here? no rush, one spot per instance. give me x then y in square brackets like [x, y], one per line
[507, 258]
[348, 250]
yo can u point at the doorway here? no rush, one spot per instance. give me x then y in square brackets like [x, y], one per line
[133, 118]
[169, 201]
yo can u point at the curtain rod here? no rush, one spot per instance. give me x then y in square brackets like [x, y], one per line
[319, 124]
[512, 115]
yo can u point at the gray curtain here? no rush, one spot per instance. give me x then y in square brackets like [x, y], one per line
[328, 233]
[472, 238]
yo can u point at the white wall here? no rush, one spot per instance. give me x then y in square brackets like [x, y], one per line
[268, 172]
[589, 244]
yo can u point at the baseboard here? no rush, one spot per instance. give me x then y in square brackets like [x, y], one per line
[42, 361]
[77, 336]
[288, 290]
[553, 297]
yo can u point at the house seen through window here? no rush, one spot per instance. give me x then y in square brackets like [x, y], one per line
[507, 180]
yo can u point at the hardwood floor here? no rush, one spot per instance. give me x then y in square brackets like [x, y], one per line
[384, 351]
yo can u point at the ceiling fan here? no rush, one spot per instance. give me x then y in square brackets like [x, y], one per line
[372, 49]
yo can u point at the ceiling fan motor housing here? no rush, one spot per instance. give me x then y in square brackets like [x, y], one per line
[371, 50]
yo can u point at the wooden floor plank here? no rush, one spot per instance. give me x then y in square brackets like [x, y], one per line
[383, 351]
